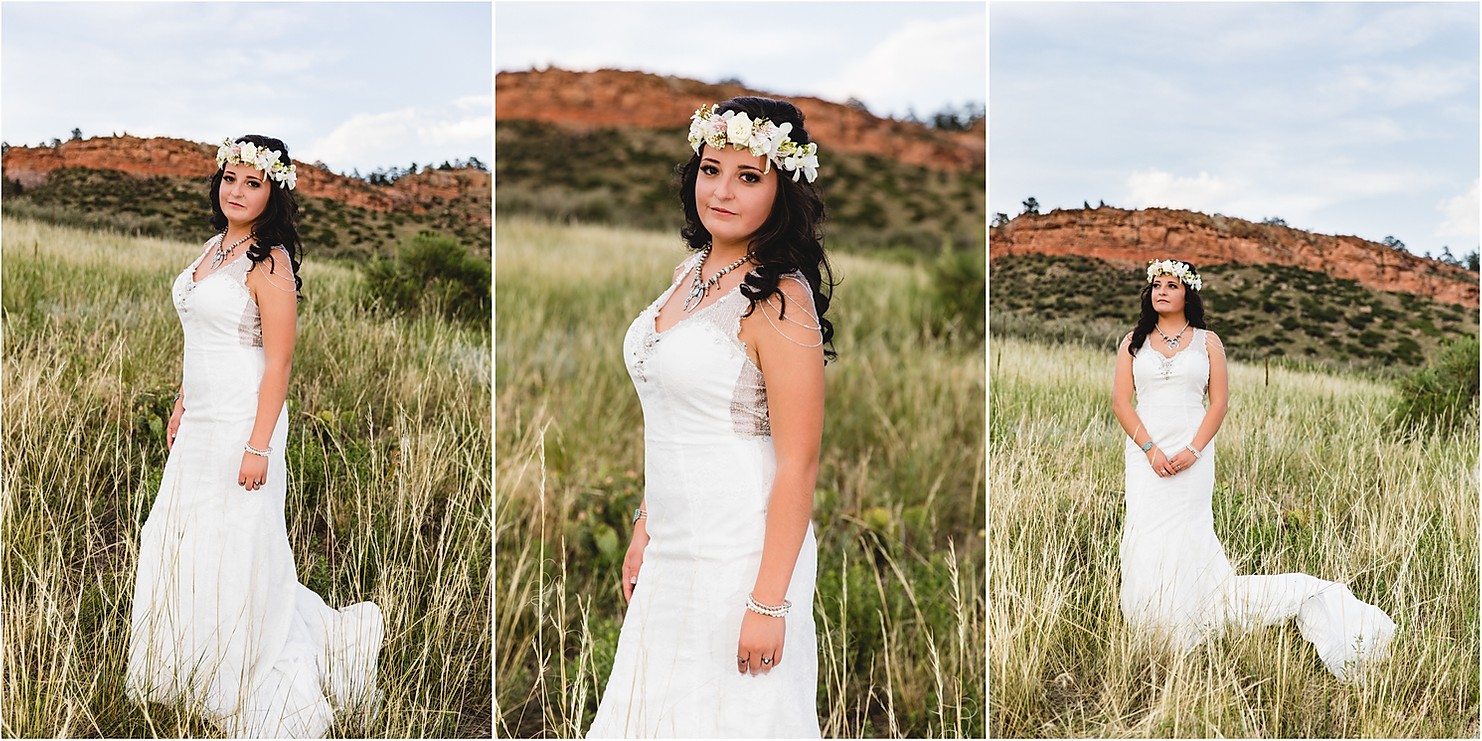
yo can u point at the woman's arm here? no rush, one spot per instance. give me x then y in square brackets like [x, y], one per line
[789, 351]
[633, 559]
[271, 283]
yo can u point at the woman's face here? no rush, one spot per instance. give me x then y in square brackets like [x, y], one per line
[733, 194]
[243, 194]
[1168, 295]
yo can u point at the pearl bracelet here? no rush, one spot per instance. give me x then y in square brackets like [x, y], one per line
[1196, 453]
[639, 514]
[768, 610]
[264, 453]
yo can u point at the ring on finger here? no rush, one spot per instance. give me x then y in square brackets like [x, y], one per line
[766, 659]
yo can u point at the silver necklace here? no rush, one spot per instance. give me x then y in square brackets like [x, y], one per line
[222, 253]
[1172, 342]
[699, 288]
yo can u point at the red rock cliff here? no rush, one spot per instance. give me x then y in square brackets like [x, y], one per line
[607, 97]
[162, 156]
[1135, 237]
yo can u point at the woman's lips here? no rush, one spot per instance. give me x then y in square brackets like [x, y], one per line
[722, 211]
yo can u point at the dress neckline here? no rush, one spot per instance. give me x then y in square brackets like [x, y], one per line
[659, 307]
[219, 269]
[1194, 338]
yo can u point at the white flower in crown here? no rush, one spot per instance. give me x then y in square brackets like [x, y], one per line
[738, 129]
[759, 136]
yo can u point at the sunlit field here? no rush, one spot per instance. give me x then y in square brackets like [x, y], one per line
[898, 509]
[388, 497]
[1309, 479]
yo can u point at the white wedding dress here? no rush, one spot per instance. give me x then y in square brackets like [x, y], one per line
[1176, 580]
[708, 468]
[220, 621]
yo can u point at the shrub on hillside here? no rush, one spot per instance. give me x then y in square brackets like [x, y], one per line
[958, 295]
[1442, 396]
[432, 272]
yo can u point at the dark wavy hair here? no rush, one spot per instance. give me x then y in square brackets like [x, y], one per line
[277, 226]
[1193, 312]
[791, 239]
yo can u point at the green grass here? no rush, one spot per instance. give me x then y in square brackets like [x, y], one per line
[1308, 480]
[388, 498]
[898, 508]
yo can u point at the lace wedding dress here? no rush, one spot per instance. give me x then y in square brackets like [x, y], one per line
[1176, 579]
[220, 622]
[708, 469]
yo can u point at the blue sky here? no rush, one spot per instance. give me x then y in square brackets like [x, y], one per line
[894, 57]
[1341, 118]
[356, 85]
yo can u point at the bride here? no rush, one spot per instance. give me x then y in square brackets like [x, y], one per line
[718, 639]
[1176, 580]
[220, 622]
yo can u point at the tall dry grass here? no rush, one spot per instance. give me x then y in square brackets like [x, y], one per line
[898, 509]
[389, 489]
[1308, 481]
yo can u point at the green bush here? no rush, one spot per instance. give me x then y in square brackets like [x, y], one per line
[435, 273]
[958, 298]
[1442, 396]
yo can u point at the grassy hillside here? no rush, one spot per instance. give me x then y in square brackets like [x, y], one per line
[1283, 313]
[177, 208]
[898, 509]
[626, 177]
[1307, 480]
[388, 498]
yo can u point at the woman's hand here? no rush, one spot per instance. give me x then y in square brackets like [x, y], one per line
[173, 428]
[633, 561]
[760, 648]
[254, 471]
[1182, 460]
[1159, 462]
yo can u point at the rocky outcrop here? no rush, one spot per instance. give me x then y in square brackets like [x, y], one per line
[606, 98]
[1135, 237]
[163, 156]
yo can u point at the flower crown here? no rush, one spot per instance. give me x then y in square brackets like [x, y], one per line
[261, 158]
[760, 136]
[1177, 269]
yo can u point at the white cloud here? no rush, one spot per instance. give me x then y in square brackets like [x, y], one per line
[1461, 214]
[923, 62]
[1155, 188]
[1407, 25]
[367, 140]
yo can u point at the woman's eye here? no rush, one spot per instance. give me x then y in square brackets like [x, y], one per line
[709, 169]
[751, 177]
[254, 183]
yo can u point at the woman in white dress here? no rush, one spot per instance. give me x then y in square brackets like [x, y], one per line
[718, 639]
[1176, 580]
[220, 622]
